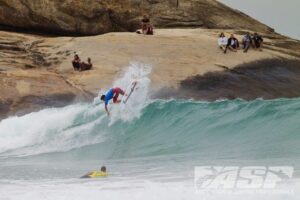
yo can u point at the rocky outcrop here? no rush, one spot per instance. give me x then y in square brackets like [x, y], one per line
[91, 17]
[27, 81]
[267, 79]
[36, 71]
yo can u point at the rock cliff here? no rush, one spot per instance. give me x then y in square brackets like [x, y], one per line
[91, 17]
[35, 70]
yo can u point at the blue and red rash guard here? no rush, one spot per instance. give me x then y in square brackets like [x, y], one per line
[109, 95]
[113, 93]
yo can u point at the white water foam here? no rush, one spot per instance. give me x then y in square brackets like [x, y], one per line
[122, 189]
[49, 130]
[63, 129]
[139, 98]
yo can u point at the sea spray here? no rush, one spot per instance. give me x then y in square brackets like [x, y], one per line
[49, 130]
[74, 126]
[132, 109]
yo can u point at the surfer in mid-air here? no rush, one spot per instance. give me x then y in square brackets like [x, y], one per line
[113, 93]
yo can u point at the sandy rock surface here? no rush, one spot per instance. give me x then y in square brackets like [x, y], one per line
[36, 71]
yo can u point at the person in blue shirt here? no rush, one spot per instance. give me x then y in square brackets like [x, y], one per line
[113, 94]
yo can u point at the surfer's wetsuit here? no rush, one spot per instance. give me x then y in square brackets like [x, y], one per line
[113, 93]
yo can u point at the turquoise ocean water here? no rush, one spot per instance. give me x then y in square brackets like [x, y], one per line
[150, 146]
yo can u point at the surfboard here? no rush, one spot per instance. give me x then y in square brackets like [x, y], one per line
[95, 174]
[130, 93]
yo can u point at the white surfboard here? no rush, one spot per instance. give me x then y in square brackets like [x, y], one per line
[133, 87]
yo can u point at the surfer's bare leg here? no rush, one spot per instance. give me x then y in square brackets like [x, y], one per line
[107, 111]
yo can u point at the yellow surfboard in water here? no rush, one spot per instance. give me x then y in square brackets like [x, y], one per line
[95, 174]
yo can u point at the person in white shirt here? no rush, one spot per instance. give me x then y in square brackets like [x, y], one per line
[222, 42]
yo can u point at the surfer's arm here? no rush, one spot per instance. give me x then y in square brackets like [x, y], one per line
[107, 111]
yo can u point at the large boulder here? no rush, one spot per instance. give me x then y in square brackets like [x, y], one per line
[90, 17]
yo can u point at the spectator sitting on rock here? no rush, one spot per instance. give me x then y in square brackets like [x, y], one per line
[232, 44]
[86, 66]
[222, 41]
[145, 23]
[149, 30]
[76, 62]
[257, 41]
[247, 41]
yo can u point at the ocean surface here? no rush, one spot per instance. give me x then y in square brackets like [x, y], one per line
[281, 15]
[149, 146]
